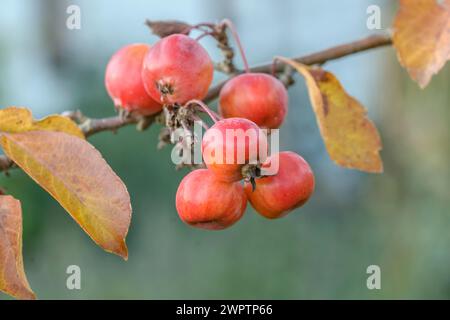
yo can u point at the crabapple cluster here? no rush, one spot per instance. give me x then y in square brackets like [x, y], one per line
[142, 79]
[177, 72]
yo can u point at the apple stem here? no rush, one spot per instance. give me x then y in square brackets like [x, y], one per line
[204, 34]
[214, 117]
[274, 67]
[204, 125]
[232, 28]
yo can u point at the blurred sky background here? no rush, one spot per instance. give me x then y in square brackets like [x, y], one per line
[398, 220]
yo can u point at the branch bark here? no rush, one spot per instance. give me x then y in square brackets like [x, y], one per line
[92, 126]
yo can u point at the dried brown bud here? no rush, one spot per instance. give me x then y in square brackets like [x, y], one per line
[168, 27]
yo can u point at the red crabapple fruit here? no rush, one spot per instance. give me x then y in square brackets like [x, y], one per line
[123, 80]
[177, 69]
[259, 97]
[232, 143]
[274, 196]
[204, 202]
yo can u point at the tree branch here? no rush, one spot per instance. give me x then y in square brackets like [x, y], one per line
[93, 126]
[320, 57]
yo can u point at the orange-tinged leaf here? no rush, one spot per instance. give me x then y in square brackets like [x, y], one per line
[351, 139]
[19, 119]
[422, 37]
[77, 176]
[13, 280]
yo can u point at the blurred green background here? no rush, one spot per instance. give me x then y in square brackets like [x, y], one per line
[398, 220]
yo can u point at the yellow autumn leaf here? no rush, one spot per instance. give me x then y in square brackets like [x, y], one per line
[13, 280]
[77, 176]
[351, 139]
[422, 37]
[19, 119]
[58, 123]
[15, 119]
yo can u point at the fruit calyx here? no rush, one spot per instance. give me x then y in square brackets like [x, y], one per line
[251, 172]
[165, 88]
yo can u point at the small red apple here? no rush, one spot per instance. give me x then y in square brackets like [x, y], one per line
[275, 196]
[204, 202]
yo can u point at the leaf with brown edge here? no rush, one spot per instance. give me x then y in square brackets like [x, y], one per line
[13, 280]
[77, 176]
[351, 139]
[422, 37]
[19, 119]
[167, 27]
